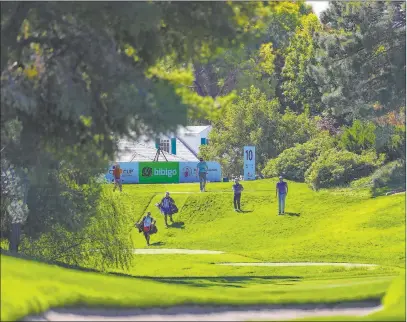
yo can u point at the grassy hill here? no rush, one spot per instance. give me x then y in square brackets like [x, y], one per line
[340, 225]
[343, 225]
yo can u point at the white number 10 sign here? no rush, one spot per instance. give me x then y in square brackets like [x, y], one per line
[249, 163]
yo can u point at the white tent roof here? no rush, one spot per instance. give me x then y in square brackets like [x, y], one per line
[145, 151]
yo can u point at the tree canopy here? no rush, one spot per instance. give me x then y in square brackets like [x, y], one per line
[75, 76]
[362, 58]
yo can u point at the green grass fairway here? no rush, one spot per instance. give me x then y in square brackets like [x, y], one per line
[331, 226]
[394, 304]
[342, 225]
[30, 287]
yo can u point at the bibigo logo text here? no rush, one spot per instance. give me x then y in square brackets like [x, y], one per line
[165, 172]
[148, 172]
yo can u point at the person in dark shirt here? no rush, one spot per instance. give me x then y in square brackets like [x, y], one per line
[282, 190]
[166, 206]
[237, 189]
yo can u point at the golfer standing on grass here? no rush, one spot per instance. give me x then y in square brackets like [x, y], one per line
[237, 189]
[282, 191]
[202, 168]
[117, 172]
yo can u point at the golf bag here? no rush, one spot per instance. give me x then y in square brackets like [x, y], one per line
[153, 229]
[140, 226]
[173, 209]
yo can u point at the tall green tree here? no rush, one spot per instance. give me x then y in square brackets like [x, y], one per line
[300, 90]
[254, 120]
[258, 62]
[80, 67]
[77, 75]
[363, 63]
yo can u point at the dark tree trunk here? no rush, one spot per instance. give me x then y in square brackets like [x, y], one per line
[14, 238]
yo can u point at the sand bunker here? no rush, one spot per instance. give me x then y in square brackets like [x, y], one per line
[206, 313]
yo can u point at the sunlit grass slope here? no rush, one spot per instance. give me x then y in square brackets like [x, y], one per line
[340, 225]
[394, 306]
[29, 287]
[332, 225]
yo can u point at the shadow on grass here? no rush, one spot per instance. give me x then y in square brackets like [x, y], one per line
[386, 191]
[225, 281]
[209, 281]
[245, 211]
[157, 244]
[293, 214]
[48, 262]
[179, 225]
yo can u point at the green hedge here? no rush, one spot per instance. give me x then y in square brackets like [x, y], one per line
[338, 167]
[391, 176]
[294, 162]
[359, 137]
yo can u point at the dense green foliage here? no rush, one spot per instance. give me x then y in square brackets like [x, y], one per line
[292, 163]
[301, 92]
[102, 242]
[346, 68]
[260, 61]
[75, 78]
[391, 140]
[254, 120]
[390, 177]
[338, 168]
[359, 137]
[362, 70]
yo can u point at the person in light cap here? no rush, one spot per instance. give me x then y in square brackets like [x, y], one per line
[282, 191]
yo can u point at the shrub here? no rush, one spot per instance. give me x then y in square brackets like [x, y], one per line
[365, 182]
[327, 123]
[294, 162]
[391, 140]
[337, 167]
[391, 176]
[359, 137]
[103, 243]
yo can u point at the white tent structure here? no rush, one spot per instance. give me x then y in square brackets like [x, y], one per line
[181, 146]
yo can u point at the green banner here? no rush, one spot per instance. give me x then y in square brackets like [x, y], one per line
[159, 172]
